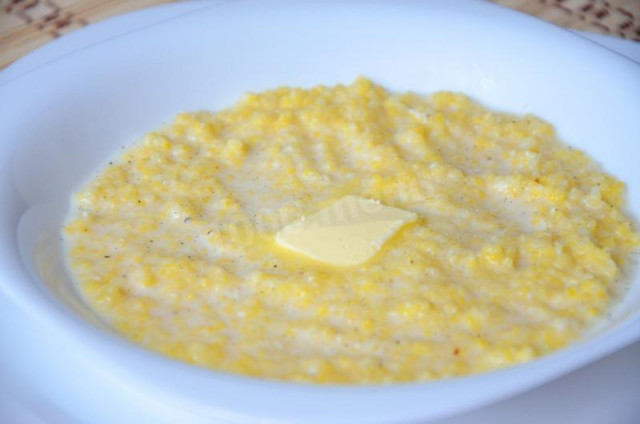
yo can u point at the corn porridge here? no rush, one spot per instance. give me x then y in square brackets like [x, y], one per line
[515, 250]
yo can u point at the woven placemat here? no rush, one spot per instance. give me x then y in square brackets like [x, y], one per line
[618, 18]
[28, 24]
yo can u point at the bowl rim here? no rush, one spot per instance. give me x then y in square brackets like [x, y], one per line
[124, 357]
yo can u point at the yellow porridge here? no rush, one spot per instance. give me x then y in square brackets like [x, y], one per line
[506, 244]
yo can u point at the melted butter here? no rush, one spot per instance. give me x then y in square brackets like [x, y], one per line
[346, 233]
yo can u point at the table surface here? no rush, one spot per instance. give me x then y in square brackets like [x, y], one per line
[35, 358]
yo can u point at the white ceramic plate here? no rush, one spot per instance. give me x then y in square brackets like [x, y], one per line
[61, 120]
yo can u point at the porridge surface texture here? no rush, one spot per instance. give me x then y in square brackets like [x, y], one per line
[517, 248]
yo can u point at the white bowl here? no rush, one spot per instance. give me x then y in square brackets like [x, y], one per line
[60, 121]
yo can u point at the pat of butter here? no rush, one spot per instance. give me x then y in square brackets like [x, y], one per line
[348, 232]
